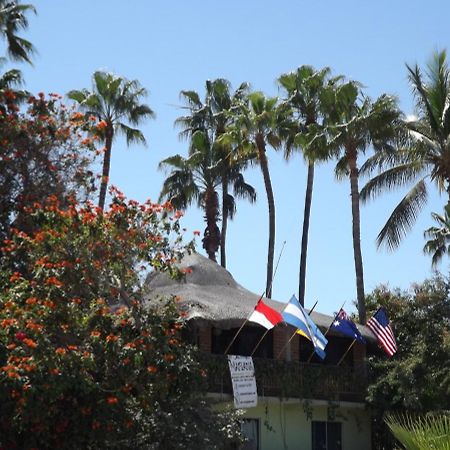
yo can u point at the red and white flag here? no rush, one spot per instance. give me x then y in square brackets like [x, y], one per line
[265, 315]
[381, 328]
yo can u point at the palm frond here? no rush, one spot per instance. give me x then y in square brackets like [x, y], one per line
[242, 189]
[430, 432]
[403, 217]
[132, 135]
[341, 171]
[423, 102]
[399, 175]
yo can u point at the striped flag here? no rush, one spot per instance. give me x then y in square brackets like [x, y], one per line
[381, 328]
[295, 315]
[265, 315]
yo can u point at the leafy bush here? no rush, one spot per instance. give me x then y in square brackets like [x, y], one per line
[83, 364]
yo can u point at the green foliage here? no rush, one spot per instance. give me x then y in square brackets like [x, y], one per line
[115, 102]
[438, 244]
[211, 162]
[417, 378]
[13, 19]
[42, 152]
[423, 153]
[83, 363]
[421, 433]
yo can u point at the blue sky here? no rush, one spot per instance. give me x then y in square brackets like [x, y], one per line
[173, 45]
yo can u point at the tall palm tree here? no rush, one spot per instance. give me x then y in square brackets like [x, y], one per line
[114, 100]
[303, 89]
[424, 155]
[357, 124]
[213, 115]
[196, 179]
[261, 121]
[438, 244]
[12, 20]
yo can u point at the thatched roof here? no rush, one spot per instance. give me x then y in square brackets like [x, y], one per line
[208, 293]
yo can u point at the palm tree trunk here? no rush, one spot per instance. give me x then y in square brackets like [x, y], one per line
[106, 166]
[261, 146]
[356, 230]
[223, 234]
[304, 247]
[211, 237]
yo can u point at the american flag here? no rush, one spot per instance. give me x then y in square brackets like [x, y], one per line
[379, 324]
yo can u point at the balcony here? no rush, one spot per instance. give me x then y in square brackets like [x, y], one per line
[292, 379]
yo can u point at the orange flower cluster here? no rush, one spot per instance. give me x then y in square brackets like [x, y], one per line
[101, 125]
[30, 343]
[53, 281]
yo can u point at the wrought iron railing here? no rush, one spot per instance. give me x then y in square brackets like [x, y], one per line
[292, 379]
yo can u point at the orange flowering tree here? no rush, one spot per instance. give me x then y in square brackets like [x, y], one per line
[44, 149]
[83, 363]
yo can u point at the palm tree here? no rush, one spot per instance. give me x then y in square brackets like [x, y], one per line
[430, 432]
[195, 179]
[261, 121]
[213, 115]
[358, 123]
[13, 19]
[438, 244]
[114, 100]
[424, 155]
[303, 90]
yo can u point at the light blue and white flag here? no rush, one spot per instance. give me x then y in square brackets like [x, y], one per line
[295, 315]
[318, 339]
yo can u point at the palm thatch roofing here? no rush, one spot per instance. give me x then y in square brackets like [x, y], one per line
[208, 293]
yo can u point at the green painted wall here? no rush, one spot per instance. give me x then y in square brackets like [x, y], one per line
[285, 426]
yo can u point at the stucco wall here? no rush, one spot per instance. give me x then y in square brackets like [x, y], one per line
[285, 426]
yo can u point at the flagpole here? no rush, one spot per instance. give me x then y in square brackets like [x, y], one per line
[295, 332]
[276, 266]
[345, 354]
[326, 332]
[259, 342]
[285, 345]
[238, 331]
[260, 298]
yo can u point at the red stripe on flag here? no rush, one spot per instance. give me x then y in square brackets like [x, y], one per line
[272, 316]
[384, 335]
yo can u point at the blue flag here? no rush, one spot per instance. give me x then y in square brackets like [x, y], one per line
[295, 315]
[345, 325]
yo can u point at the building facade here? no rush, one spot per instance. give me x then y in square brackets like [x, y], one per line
[303, 402]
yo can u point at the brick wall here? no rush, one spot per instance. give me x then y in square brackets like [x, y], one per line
[281, 335]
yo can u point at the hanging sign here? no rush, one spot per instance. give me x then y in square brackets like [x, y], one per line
[242, 374]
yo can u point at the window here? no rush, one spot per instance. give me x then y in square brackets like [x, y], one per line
[326, 435]
[250, 430]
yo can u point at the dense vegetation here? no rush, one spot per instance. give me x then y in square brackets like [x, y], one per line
[73, 333]
[417, 379]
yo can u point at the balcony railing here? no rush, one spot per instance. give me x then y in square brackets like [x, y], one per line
[292, 379]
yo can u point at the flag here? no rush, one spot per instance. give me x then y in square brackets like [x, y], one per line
[381, 328]
[318, 339]
[345, 325]
[295, 315]
[265, 315]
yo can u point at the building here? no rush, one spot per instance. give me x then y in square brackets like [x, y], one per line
[303, 402]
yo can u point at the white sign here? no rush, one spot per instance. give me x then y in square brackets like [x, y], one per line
[242, 374]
